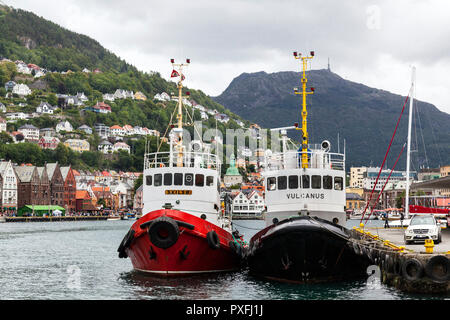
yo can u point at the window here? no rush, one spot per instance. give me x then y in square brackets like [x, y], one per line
[338, 183]
[209, 181]
[282, 183]
[188, 179]
[271, 183]
[167, 179]
[328, 182]
[178, 179]
[305, 182]
[199, 180]
[316, 182]
[158, 180]
[293, 182]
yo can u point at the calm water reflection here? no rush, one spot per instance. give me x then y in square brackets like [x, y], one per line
[78, 260]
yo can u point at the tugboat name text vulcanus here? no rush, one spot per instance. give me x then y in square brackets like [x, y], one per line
[183, 230]
[305, 239]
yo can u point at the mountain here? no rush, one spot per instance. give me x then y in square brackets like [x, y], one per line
[365, 117]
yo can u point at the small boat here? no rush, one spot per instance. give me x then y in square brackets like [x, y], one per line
[2, 219]
[113, 218]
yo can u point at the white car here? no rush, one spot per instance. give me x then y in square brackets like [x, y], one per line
[423, 227]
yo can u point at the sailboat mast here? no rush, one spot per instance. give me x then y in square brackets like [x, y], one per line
[304, 93]
[413, 85]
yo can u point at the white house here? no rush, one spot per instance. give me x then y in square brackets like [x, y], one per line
[21, 90]
[30, 132]
[162, 97]
[121, 146]
[123, 94]
[105, 147]
[45, 108]
[8, 186]
[64, 126]
[117, 131]
[2, 108]
[23, 68]
[249, 204]
[17, 116]
[82, 97]
[39, 74]
[108, 97]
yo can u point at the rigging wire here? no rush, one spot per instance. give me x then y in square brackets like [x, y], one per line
[385, 156]
[387, 180]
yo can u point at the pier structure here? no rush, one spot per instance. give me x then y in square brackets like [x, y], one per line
[419, 268]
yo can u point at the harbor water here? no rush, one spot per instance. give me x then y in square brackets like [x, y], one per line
[78, 260]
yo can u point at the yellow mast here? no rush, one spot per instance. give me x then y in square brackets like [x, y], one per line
[179, 146]
[304, 93]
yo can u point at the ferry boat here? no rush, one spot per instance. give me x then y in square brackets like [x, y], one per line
[182, 230]
[304, 239]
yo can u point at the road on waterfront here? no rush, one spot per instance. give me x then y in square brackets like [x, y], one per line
[395, 236]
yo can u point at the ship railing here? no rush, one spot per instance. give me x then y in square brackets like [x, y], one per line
[184, 159]
[317, 159]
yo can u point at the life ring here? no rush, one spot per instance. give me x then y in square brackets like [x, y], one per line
[213, 240]
[163, 232]
[125, 243]
[412, 269]
[438, 268]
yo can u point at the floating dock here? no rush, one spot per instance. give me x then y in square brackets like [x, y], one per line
[51, 219]
[417, 268]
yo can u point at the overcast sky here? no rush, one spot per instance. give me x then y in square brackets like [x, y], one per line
[371, 42]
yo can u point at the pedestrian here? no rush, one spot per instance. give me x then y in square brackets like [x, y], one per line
[401, 218]
[386, 220]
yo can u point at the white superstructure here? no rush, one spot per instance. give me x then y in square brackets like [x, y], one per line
[318, 190]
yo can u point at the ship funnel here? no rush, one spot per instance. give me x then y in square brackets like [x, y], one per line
[326, 145]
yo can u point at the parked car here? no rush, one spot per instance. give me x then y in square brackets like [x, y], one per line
[423, 227]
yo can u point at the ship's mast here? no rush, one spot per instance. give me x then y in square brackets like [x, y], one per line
[179, 130]
[413, 85]
[304, 93]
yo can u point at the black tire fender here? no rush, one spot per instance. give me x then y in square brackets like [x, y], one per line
[125, 243]
[412, 269]
[398, 262]
[438, 268]
[213, 240]
[356, 248]
[389, 263]
[163, 232]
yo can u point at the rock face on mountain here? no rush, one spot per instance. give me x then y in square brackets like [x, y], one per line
[365, 117]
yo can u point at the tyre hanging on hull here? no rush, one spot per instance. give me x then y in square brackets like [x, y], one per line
[213, 240]
[163, 232]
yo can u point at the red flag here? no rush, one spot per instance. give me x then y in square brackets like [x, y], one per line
[182, 77]
[174, 74]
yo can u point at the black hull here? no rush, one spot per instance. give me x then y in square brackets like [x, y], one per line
[305, 250]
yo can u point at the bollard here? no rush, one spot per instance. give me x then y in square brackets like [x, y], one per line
[429, 245]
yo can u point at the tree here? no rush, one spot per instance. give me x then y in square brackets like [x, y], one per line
[5, 138]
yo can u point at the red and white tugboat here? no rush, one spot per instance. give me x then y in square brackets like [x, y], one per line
[183, 230]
